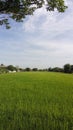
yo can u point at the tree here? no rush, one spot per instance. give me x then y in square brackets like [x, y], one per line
[35, 69]
[50, 69]
[11, 68]
[67, 68]
[55, 69]
[19, 9]
[27, 69]
[71, 68]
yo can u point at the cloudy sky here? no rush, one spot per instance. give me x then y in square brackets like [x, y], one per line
[42, 40]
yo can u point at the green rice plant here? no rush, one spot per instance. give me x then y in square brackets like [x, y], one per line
[36, 101]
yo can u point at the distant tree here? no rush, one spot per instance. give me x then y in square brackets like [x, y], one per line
[57, 69]
[35, 69]
[19, 9]
[27, 69]
[2, 65]
[50, 69]
[21, 70]
[11, 68]
[67, 68]
[71, 68]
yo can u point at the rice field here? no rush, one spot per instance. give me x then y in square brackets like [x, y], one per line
[36, 101]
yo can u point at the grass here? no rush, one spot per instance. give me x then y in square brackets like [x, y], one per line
[36, 101]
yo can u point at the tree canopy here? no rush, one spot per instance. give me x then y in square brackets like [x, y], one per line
[19, 9]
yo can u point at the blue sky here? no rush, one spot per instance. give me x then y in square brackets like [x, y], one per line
[42, 40]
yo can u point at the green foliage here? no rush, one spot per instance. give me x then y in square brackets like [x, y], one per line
[35, 69]
[36, 101]
[71, 68]
[56, 69]
[3, 69]
[56, 4]
[27, 69]
[19, 9]
[67, 68]
[11, 68]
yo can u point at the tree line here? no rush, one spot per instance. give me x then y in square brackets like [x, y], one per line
[67, 68]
